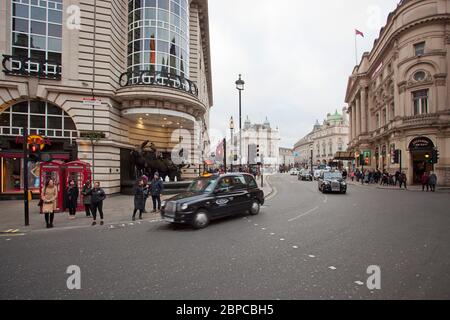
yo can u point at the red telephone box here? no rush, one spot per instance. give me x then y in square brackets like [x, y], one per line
[80, 172]
[53, 170]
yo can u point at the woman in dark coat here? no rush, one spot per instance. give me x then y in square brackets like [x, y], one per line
[87, 189]
[139, 199]
[72, 198]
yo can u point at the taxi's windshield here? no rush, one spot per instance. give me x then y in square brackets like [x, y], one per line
[332, 175]
[202, 185]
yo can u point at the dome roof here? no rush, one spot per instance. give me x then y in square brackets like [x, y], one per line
[335, 117]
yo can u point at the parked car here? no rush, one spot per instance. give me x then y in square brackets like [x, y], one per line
[213, 197]
[294, 172]
[332, 181]
[305, 175]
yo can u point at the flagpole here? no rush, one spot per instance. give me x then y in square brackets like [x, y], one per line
[356, 48]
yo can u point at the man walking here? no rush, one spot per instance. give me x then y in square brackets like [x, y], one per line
[156, 188]
[432, 181]
[402, 179]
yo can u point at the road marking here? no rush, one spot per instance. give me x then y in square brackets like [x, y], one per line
[263, 229]
[311, 256]
[303, 214]
[256, 224]
[272, 234]
[332, 268]
[326, 199]
[295, 247]
[12, 235]
[282, 239]
[359, 283]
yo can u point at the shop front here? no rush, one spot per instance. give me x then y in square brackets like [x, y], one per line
[53, 131]
[421, 150]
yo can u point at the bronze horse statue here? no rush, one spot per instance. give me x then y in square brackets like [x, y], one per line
[147, 162]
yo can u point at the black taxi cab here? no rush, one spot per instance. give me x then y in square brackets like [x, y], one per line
[212, 197]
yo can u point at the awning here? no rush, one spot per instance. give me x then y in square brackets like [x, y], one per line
[344, 156]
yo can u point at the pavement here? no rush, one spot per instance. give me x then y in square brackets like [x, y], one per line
[303, 245]
[117, 209]
[413, 188]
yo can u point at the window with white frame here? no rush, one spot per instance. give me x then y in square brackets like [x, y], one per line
[420, 102]
[42, 118]
[37, 32]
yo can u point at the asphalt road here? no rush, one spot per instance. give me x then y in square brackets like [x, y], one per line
[303, 245]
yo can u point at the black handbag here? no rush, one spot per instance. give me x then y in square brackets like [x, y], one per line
[41, 203]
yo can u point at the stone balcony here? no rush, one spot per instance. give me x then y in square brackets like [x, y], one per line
[146, 89]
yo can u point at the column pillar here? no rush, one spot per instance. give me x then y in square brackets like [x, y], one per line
[358, 117]
[350, 123]
[354, 121]
[369, 113]
[363, 111]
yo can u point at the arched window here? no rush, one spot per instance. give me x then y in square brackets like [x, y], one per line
[42, 118]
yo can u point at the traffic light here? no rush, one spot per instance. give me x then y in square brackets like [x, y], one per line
[35, 152]
[362, 161]
[235, 157]
[434, 157]
[397, 156]
[257, 151]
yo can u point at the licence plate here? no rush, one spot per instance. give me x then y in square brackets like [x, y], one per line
[169, 220]
[336, 189]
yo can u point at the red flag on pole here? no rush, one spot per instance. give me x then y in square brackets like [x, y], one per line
[359, 33]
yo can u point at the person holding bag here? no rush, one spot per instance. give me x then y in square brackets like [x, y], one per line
[49, 199]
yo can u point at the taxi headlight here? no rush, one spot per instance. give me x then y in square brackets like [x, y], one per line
[184, 206]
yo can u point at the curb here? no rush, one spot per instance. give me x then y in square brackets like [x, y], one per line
[272, 189]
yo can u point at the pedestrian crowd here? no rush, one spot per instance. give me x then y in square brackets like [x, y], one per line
[93, 198]
[429, 180]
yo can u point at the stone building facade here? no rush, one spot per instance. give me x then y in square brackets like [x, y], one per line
[146, 63]
[325, 140]
[286, 157]
[398, 96]
[264, 135]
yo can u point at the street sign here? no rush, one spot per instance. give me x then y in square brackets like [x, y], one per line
[92, 102]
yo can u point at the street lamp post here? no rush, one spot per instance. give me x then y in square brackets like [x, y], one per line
[232, 142]
[240, 87]
[312, 156]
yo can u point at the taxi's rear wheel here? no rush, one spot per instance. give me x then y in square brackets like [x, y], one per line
[255, 208]
[201, 220]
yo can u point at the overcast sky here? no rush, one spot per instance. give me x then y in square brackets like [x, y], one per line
[294, 55]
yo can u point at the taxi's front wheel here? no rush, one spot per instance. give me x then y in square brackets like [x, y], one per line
[255, 208]
[200, 220]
